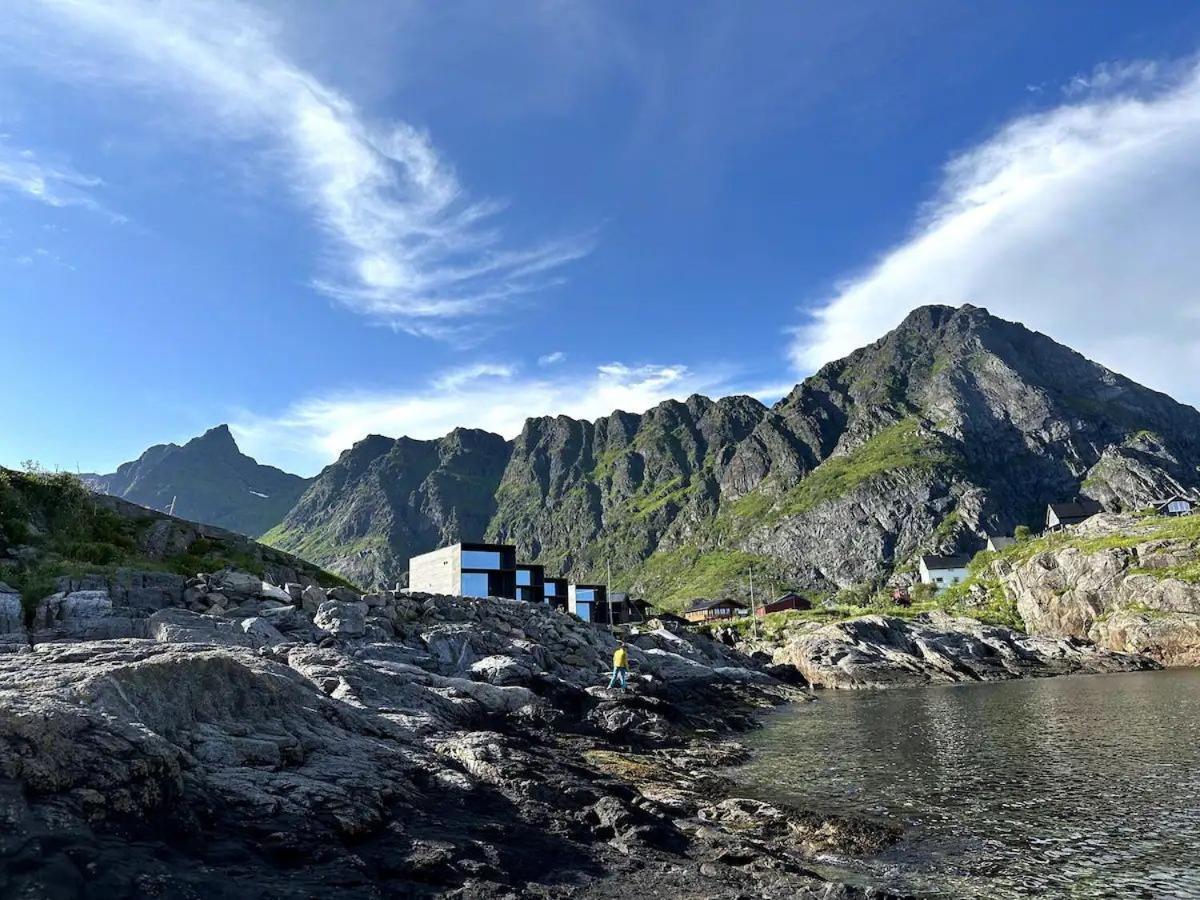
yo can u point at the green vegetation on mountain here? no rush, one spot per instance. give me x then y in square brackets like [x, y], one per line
[51, 526]
[954, 426]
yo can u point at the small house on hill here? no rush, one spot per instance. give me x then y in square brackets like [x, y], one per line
[1175, 505]
[997, 542]
[1062, 515]
[943, 571]
[709, 610]
[790, 600]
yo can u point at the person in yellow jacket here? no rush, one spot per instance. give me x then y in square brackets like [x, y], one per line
[620, 667]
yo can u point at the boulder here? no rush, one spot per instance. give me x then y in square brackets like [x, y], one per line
[261, 631]
[344, 594]
[341, 618]
[181, 626]
[311, 598]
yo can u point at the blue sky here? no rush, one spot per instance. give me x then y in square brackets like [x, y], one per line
[316, 221]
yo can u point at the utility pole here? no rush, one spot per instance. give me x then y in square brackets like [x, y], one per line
[608, 596]
[171, 508]
[753, 605]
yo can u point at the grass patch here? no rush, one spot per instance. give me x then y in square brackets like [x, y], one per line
[899, 446]
[672, 578]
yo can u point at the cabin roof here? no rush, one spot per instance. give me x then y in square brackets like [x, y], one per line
[1078, 509]
[701, 605]
[958, 561]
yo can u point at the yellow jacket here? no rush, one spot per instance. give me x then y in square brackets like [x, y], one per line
[620, 659]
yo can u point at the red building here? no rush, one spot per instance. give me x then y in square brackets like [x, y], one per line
[784, 602]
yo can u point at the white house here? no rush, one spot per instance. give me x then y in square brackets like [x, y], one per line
[997, 542]
[943, 571]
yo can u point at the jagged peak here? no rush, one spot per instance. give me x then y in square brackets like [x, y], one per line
[217, 437]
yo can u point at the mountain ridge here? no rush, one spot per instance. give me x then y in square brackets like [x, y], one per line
[954, 425]
[207, 479]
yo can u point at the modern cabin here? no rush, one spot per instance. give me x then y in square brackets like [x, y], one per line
[588, 601]
[554, 592]
[466, 570]
[531, 583]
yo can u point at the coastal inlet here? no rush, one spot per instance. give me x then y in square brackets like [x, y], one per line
[1064, 787]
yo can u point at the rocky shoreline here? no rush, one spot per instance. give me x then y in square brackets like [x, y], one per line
[875, 652]
[247, 739]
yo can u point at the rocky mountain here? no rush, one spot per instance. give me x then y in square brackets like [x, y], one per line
[385, 500]
[954, 425]
[209, 480]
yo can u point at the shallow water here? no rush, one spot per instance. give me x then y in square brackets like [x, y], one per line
[1085, 786]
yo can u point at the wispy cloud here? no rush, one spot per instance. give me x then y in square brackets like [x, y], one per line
[1079, 221]
[407, 245]
[551, 359]
[313, 431]
[54, 184]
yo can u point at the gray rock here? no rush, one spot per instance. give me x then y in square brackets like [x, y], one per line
[884, 651]
[344, 594]
[261, 631]
[311, 598]
[181, 626]
[342, 619]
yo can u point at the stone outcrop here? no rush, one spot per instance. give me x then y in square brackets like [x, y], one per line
[394, 745]
[1128, 584]
[885, 651]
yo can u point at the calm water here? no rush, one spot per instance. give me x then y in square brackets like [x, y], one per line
[1061, 787]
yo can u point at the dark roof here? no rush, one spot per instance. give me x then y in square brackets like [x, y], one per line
[1079, 509]
[1165, 500]
[699, 605]
[788, 595]
[665, 617]
[958, 561]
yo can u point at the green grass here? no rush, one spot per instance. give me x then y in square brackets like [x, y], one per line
[672, 578]
[899, 446]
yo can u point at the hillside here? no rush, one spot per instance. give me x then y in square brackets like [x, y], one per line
[209, 480]
[52, 527]
[385, 500]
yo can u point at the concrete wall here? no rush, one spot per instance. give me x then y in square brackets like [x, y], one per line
[437, 572]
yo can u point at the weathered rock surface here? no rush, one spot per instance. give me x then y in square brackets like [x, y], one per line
[884, 651]
[445, 747]
[1136, 597]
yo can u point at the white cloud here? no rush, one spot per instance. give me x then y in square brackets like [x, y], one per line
[314, 431]
[54, 184]
[1080, 221]
[551, 359]
[407, 246]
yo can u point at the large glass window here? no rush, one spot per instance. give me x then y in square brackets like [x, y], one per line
[584, 611]
[551, 589]
[585, 595]
[524, 576]
[474, 584]
[480, 559]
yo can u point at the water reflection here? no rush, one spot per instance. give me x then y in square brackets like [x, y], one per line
[1065, 787]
